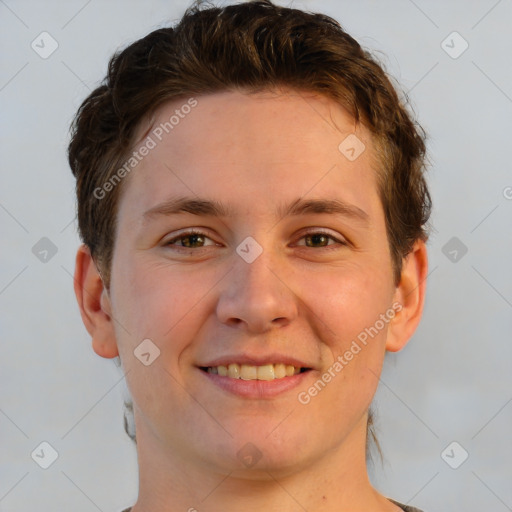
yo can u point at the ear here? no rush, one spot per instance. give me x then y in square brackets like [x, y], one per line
[410, 294]
[94, 302]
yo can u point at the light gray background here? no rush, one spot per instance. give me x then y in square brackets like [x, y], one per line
[451, 383]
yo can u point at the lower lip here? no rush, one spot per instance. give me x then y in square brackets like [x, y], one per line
[258, 388]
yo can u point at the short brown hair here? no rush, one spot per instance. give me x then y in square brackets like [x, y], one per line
[252, 46]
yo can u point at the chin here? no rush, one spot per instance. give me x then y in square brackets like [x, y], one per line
[255, 451]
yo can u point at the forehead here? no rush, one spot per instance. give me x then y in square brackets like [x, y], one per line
[279, 120]
[268, 145]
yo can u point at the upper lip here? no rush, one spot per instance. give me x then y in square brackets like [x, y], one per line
[259, 360]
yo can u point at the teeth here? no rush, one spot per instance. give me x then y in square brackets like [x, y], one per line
[234, 371]
[264, 372]
[279, 371]
[250, 372]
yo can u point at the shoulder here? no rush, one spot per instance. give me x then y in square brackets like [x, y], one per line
[405, 508]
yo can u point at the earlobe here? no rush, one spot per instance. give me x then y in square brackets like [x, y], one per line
[94, 303]
[410, 294]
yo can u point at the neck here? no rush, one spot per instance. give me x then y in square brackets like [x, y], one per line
[337, 481]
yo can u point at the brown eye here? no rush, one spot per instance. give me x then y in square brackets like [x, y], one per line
[320, 239]
[190, 240]
[317, 238]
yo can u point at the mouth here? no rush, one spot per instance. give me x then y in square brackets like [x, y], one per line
[266, 372]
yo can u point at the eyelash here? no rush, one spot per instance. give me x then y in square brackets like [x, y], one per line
[200, 233]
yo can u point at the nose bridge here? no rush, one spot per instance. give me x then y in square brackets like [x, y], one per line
[254, 294]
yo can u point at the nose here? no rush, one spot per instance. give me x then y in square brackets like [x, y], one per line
[258, 296]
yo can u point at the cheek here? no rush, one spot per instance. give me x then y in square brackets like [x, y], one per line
[164, 302]
[155, 300]
[349, 300]
[354, 335]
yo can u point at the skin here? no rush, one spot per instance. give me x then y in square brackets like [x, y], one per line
[305, 297]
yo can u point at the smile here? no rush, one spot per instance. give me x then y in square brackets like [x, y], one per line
[250, 372]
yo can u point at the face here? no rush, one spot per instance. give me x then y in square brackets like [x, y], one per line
[271, 276]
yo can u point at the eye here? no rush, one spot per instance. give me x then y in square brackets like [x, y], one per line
[194, 239]
[190, 240]
[314, 238]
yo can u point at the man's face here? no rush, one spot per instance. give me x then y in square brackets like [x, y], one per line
[260, 285]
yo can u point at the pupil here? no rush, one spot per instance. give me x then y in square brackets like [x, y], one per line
[315, 238]
[188, 239]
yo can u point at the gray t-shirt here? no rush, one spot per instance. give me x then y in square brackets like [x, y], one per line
[405, 508]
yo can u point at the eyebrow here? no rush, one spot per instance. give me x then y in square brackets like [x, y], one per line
[212, 208]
